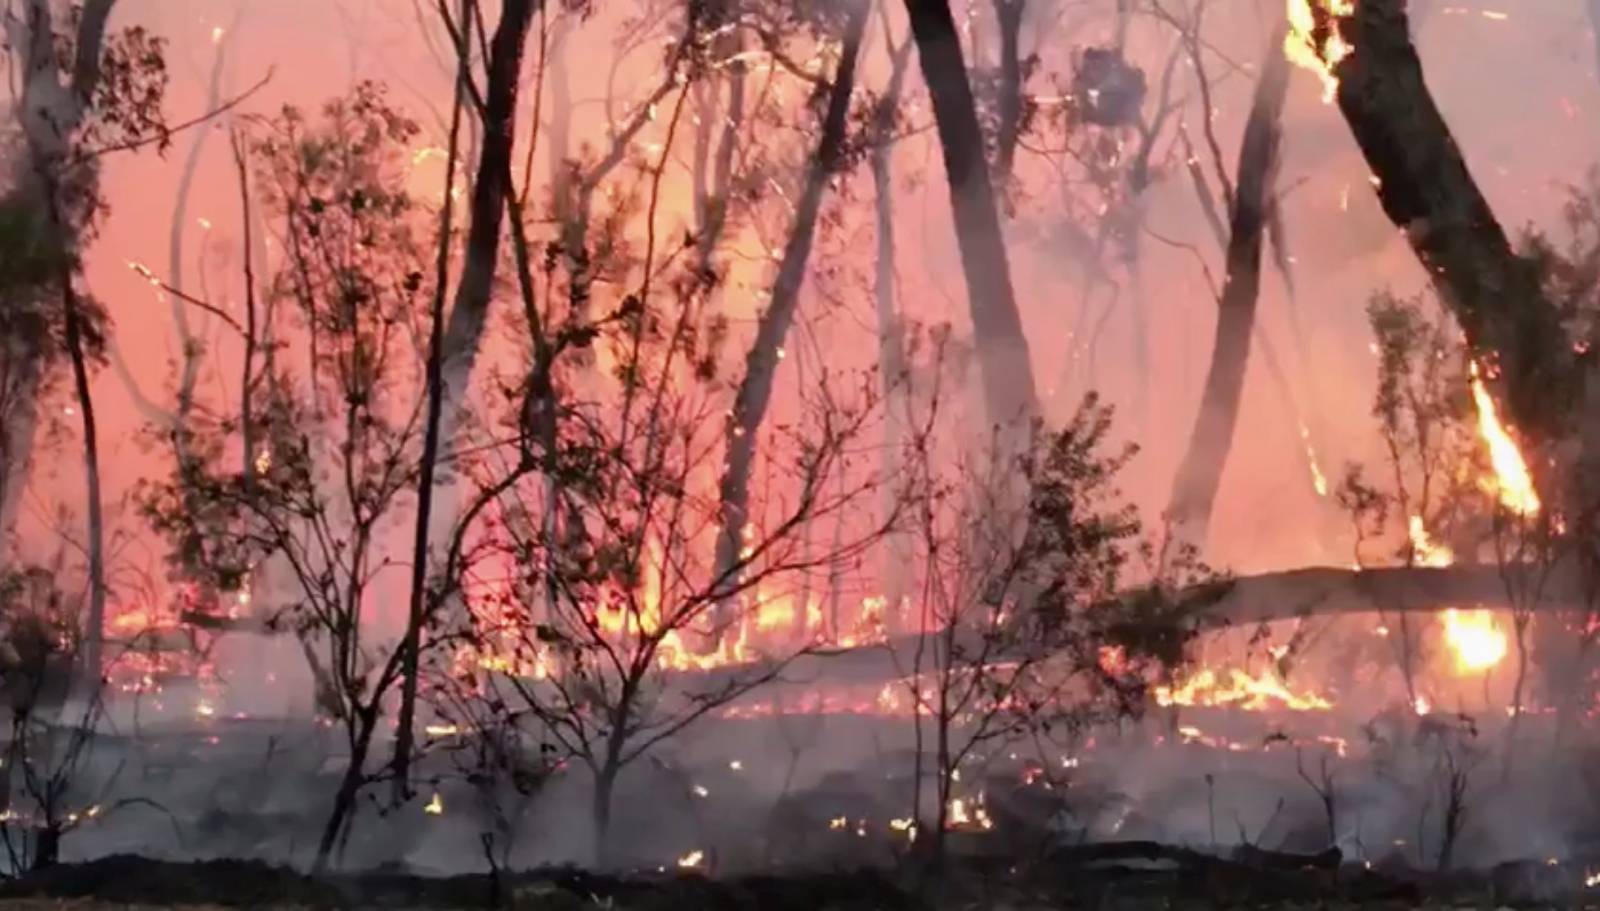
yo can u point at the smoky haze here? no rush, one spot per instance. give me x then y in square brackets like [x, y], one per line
[1516, 81]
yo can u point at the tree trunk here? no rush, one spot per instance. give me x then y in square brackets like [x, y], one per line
[1009, 391]
[50, 110]
[1008, 16]
[761, 365]
[344, 800]
[95, 620]
[470, 311]
[898, 552]
[410, 663]
[1427, 191]
[605, 787]
[1195, 489]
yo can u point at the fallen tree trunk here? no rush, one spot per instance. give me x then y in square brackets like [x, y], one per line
[1428, 192]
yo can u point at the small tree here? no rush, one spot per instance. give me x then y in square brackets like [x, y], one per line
[587, 643]
[1031, 624]
[335, 428]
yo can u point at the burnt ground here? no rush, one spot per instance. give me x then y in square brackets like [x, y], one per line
[1134, 876]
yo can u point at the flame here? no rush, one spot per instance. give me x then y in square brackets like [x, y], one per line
[1314, 42]
[435, 806]
[1425, 549]
[692, 860]
[1242, 690]
[1476, 643]
[1513, 484]
[1422, 706]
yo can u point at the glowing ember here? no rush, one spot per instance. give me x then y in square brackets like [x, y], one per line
[1476, 643]
[1513, 484]
[1314, 42]
[1318, 479]
[1242, 690]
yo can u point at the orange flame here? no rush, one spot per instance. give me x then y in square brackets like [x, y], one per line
[1476, 642]
[1314, 42]
[1426, 550]
[1253, 693]
[1513, 485]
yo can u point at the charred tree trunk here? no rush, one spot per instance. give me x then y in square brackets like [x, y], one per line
[761, 365]
[1002, 348]
[410, 670]
[470, 310]
[1427, 191]
[1008, 16]
[1195, 490]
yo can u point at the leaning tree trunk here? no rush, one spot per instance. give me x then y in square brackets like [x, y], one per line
[410, 664]
[761, 366]
[1427, 191]
[452, 357]
[1195, 490]
[1002, 349]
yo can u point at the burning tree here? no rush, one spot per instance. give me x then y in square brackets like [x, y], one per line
[333, 433]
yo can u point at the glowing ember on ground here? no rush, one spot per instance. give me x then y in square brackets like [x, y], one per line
[1513, 485]
[1476, 643]
[1241, 690]
[1314, 42]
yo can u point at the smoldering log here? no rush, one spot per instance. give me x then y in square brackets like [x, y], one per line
[1427, 190]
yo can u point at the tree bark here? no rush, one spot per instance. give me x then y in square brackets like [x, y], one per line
[410, 663]
[1428, 192]
[1008, 16]
[1009, 390]
[761, 365]
[470, 310]
[898, 554]
[51, 107]
[1194, 491]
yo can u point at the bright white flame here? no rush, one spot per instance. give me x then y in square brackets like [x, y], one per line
[692, 859]
[1475, 641]
[435, 806]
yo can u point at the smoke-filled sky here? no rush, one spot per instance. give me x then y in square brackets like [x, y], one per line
[1516, 78]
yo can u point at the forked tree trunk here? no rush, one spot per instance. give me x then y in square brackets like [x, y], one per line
[761, 365]
[1428, 192]
[1194, 491]
[1007, 372]
[452, 357]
